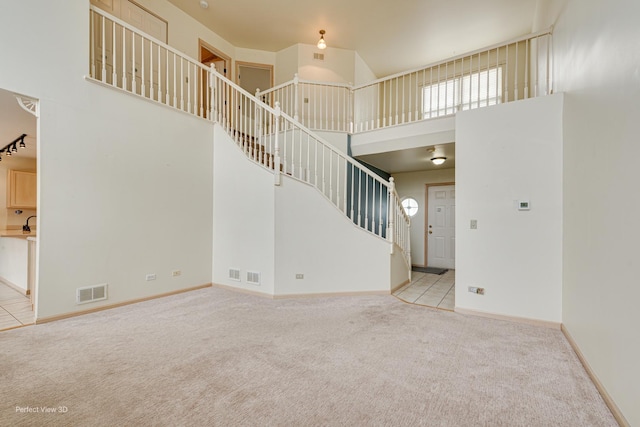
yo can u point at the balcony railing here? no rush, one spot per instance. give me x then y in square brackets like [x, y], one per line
[123, 57]
[510, 71]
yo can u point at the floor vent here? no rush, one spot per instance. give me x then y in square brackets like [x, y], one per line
[91, 294]
[234, 274]
[253, 278]
[318, 56]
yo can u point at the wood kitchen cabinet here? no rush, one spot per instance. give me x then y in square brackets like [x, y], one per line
[22, 189]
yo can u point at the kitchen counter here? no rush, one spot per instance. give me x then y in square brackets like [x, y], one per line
[17, 233]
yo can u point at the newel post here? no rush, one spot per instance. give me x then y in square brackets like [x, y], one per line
[392, 212]
[213, 112]
[276, 154]
[296, 80]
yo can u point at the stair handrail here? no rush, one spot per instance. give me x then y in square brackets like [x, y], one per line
[283, 128]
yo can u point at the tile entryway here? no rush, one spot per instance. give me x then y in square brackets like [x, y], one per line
[432, 290]
[15, 308]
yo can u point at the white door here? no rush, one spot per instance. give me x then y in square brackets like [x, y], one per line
[441, 232]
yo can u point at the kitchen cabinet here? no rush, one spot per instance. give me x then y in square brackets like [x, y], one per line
[22, 189]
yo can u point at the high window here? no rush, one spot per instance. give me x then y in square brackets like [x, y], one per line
[475, 90]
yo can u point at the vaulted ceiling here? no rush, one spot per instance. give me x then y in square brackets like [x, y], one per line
[390, 36]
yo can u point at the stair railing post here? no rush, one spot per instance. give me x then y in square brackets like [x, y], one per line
[408, 248]
[392, 212]
[352, 106]
[213, 83]
[276, 154]
[296, 116]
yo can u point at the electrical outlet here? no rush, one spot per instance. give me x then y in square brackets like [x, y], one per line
[474, 224]
[476, 290]
[176, 273]
[299, 276]
[150, 277]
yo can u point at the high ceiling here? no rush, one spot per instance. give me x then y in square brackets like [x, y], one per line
[390, 36]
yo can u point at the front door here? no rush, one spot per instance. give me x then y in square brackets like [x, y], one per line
[441, 233]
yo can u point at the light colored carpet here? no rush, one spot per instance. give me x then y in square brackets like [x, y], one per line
[215, 357]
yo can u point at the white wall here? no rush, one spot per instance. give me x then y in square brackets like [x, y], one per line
[124, 184]
[338, 65]
[243, 217]
[412, 135]
[363, 73]
[286, 64]
[412, 184]
[184, 31]
[507, 153]
[315, 239]
[596, 65]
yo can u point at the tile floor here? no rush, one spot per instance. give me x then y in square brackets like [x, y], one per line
[430, 289]
[15, 308]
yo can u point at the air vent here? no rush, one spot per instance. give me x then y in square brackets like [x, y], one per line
[318, 56]
[234, 274]
[91, 294]
[253, 278]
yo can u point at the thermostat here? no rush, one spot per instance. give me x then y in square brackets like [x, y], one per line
[524, 205]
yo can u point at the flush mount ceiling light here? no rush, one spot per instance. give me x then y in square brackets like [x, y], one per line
[204, 4]
[321, 43]
[438, 160]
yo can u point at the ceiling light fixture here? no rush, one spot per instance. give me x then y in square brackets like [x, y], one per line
[438, 160]
[204, 4]
[321, 43]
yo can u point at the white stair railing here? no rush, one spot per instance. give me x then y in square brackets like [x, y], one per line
[123, 57]
[510, 71]
[277, 141]
[323, 106]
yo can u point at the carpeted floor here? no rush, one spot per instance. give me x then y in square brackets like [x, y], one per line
[215, 357]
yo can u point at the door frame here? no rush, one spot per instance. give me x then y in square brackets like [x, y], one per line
[268, 67]
[226, 58]
[426, 216]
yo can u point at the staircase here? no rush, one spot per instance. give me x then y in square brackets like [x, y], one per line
[124, 58]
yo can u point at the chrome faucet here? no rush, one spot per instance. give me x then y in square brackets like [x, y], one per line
[26, 228]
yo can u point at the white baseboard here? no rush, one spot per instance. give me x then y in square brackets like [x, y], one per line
[615, 411]
[536, 322]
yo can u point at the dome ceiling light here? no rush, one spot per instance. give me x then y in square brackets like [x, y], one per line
[321, 43]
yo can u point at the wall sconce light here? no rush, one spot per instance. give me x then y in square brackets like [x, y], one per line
[438, 160]
[12, 147]
[321, 43]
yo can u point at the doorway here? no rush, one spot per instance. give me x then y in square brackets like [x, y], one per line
[251, 76]
[208, 55]
[18, 209]
[440, 234]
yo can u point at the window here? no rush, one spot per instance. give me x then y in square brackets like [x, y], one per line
[462, 93]
[410, 206]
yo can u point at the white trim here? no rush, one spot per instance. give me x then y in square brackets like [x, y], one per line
[496, 316]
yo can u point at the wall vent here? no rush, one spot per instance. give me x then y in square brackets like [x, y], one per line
[91, 294]
[234, 274]
[253, 278]
[318, 56]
